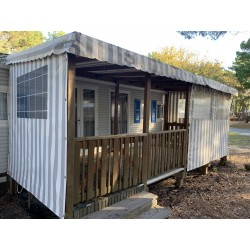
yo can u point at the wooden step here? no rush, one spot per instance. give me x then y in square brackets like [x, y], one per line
[129, 208]
[156, 212]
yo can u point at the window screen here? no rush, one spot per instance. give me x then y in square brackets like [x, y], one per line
[32, 91]
[202, 102]
[3, 106]
[222, 108]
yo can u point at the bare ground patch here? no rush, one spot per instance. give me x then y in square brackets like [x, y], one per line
[222, 194]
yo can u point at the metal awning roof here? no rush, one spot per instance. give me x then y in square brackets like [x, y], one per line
[111, 60]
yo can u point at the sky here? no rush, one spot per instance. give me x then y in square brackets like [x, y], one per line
[139, 26]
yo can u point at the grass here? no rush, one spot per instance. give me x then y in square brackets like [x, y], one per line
[238, 140]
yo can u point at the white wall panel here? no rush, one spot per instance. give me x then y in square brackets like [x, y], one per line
[4, 129]
[208, 138]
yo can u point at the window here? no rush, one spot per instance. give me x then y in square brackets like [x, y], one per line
[153, 111]
[3, 106]
[159, 111]
[137, 111]
[181, 108]
[32, 91]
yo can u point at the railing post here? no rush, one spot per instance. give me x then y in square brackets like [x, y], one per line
[146, 116]
[145, 161]
[70, 137]
[147, 101]
[116, 118]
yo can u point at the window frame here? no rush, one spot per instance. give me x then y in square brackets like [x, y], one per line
[27, 99]
[4, 89]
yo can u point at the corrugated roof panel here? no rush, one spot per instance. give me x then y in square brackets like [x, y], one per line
[85, 46]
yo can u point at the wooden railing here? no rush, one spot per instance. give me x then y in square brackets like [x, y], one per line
[167, 151]
[107, 164]
[174, 126]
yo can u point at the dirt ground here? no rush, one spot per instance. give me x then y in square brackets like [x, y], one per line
[222, 194]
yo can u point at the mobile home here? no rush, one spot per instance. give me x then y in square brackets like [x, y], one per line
[90, 121]
[4, 130]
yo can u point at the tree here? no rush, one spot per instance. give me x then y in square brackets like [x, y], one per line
[242, 64]
[184, 59]
[214, 35]
[13, 41]
[55, 34]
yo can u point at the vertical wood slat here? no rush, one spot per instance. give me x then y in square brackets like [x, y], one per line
[175, 147]
[109, 165]
[91, 168]
[126, 163]
[121, 159]
[163, 153]
[156, 154]
[104, 167]
[167, 152]
[77, 186]
[97, 189]
[139, 160]
[84, 176]
[115, 165]
[150, 149]
[145, 162]
[131, 161]
[153, 154]
[136, 158]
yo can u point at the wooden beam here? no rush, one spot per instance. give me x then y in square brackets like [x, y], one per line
[116, 118]
[147, 103]
[187, 107]
[165, 119]
[70, 136]
[204, 169]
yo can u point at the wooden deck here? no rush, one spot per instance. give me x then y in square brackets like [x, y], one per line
[107, 164]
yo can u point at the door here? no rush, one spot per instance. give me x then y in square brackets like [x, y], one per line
[86, 110]
[122, 113]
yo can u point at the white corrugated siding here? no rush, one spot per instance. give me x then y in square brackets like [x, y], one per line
[208, 138]
[38, 146]
[4, 129]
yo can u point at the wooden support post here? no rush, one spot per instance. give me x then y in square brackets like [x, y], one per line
[29, 199]
[204, 169]
[116, 118]
[179, 179]
[223, 160]
[187, 106]
[147, 103]
[13, 186]
[70, 136]
[166, 112]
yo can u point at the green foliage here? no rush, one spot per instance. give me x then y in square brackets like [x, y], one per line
[184, 59]
[13, 41]
[214, 35]
[55, 34]
[242, 64]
